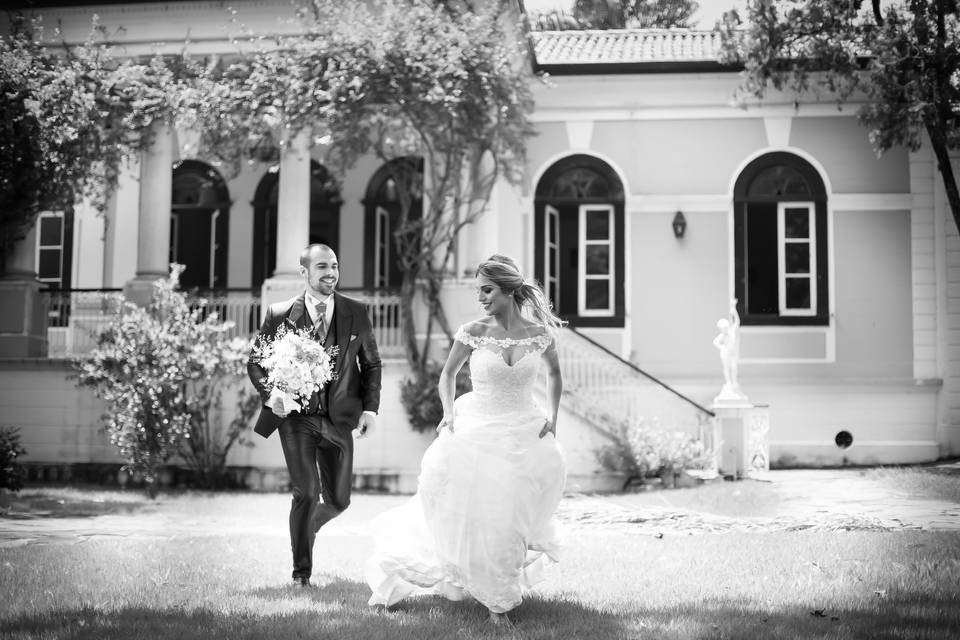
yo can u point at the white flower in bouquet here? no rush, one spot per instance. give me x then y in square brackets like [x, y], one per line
[296, 366]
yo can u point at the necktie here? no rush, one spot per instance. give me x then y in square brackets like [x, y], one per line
[315, 404]
[321, 324]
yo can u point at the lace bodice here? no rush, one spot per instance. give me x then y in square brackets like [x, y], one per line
[503, 370]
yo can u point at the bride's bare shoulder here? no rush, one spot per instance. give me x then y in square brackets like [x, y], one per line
[477, 328]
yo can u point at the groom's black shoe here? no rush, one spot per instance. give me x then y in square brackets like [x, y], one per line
[303, 581]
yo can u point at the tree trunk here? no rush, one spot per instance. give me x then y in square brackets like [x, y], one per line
[940, 150]
[408, 290]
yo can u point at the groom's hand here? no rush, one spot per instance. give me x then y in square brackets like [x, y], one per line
[275, 404]
[365, 426]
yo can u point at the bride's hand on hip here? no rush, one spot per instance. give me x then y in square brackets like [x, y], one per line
[548, 427]
[446, 422]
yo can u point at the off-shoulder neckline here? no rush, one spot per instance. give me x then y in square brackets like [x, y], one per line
[462, 332]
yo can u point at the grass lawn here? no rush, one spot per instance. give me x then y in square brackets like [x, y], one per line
[216, 566]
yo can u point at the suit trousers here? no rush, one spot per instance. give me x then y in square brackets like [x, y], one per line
[319, 457]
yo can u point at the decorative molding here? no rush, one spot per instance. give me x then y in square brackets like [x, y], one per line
[721, 202]
[716, 112]
[870, 201]
[639, 203]
[828, 334]
[579, 134]
[778, 130]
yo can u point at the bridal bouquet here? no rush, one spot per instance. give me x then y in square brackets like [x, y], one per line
[296, 365]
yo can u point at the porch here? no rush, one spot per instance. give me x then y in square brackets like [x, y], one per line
[74, 316]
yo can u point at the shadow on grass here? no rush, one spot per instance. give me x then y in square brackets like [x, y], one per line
[337, 608]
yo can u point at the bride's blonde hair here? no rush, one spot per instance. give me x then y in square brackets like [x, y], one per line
[527, 294]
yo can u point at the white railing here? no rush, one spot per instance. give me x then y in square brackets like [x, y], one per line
[609, 390]
[384, 310]
[74, 317]
[241, 308]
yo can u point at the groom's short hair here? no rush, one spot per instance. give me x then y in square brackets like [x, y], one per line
[305, 254]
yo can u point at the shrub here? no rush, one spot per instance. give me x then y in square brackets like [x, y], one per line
[420, 398]
[640, 450]
[11, 473]
[163, 371]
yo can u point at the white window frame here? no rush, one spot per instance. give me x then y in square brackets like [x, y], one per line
[782, 242]
[551, 271]
[214, 244]
[59, 247]
[175, 236]
[582, 276]
[381, 243]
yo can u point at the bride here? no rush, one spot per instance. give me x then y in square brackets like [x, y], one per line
[481, 523]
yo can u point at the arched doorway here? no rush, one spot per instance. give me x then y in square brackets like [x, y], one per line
[199, 224]
[578, 236]
[325, 204]
[780, 242]
[383, 217]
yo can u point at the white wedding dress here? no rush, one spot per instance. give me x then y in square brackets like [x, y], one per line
[482, 520]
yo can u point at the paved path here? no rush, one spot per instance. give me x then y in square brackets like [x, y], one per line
[846, 499]
[789, 500]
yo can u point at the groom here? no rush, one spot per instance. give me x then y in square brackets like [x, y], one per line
[318, 441]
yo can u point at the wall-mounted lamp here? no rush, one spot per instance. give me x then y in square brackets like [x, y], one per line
[679, 224]
[390, 190]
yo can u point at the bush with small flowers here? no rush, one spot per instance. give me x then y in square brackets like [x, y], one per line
[164, 372]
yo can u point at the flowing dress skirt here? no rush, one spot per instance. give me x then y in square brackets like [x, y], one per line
[482, 521]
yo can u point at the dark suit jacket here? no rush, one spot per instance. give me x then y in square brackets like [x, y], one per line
[356, 387]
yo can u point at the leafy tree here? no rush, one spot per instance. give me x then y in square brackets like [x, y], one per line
[904, 57]
[659, 14]
[437, 90]
[69, 117]
[451, 91]
[620, 14]
[163, 371]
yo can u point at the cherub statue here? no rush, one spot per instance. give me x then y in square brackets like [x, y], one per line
[728, 343]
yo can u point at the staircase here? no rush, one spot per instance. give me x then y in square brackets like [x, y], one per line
[607, 391]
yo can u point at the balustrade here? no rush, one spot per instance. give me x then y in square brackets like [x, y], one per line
[74, 316]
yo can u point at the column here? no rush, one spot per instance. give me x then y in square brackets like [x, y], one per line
[23, 327]
[478, 240]
[293, 220]
[153, 234]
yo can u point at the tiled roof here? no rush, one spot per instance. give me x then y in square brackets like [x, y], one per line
[629, 46]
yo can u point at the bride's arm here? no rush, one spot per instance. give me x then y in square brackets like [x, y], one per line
[554, 388]
[448, 381]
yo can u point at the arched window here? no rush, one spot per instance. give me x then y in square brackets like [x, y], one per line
[780, 243]
[199, 225]
[384, 215]
[325, 203]
[578, 235]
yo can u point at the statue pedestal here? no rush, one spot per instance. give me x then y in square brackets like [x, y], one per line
[731, 396]
[744, 449]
